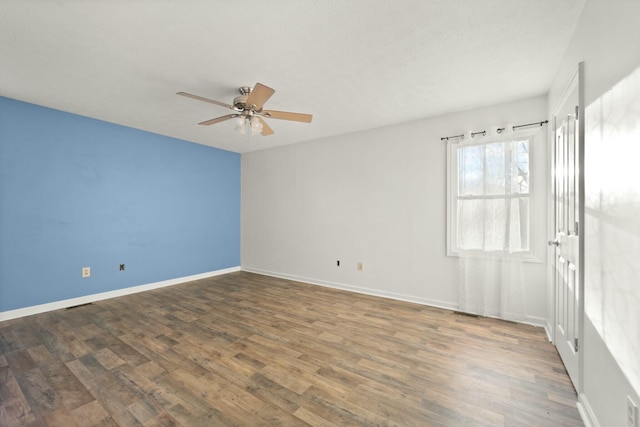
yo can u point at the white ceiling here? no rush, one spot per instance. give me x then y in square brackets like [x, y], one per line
[354, 65]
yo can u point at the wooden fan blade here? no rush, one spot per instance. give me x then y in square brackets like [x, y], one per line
[266, 130]
[285, 115]
[259, 95]
[218, 119]
[200, 98]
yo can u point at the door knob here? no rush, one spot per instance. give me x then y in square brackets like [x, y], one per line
[555, 243]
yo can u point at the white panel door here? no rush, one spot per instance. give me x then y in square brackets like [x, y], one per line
[568, 207]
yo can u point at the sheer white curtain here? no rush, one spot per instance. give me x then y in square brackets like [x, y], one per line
[492, 206]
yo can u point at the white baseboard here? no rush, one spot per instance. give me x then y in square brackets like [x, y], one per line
[529, 320]
[586, 412]
[357, 289]
[56, 305]
[539, 322]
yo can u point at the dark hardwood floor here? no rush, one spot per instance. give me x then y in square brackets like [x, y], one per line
[244, 349]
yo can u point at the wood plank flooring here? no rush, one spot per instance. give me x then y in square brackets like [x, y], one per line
[249, 350]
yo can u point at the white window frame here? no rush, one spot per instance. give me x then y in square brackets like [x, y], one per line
[452, 184]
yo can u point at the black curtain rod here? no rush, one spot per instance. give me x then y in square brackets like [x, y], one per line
[499, 130]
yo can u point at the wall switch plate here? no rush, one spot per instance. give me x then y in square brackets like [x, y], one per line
[360, 266]
[632, 413]
[86, 272]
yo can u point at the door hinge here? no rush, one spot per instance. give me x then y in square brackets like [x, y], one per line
[576, 228]
[577, 112]
[575, 345]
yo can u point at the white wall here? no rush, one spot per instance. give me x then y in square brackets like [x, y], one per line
[376, 197]
[607, 40]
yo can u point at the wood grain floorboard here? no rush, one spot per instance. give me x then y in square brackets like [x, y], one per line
[248, 350]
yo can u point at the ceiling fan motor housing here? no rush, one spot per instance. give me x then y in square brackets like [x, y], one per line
[240, 102]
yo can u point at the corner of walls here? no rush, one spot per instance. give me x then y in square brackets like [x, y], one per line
[605, 39]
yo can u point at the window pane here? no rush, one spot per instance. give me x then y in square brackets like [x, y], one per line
[519, 225]
[495, 168]
[494, 224]
[470, 170]
[520, 167]
[470, 220]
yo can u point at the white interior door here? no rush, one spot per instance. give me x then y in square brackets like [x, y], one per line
[567, 155]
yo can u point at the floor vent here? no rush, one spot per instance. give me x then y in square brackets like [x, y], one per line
[78, 306]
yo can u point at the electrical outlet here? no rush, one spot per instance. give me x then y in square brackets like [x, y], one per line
[86, 272]
[632, 413]
[338, 263]
[121, 267]
[360, 266]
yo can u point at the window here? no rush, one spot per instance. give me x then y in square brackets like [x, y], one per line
[490, 197]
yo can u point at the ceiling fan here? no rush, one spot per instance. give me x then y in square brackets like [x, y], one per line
[249, 112]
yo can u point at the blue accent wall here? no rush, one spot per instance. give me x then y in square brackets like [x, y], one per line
[77, 192]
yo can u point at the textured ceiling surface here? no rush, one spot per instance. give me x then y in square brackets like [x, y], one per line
[354, 65]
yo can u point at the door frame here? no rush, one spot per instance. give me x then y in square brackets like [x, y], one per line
[577, 81]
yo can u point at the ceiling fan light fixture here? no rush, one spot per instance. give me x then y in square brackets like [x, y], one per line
[240, 125]
[248, 125]
[256, 126]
